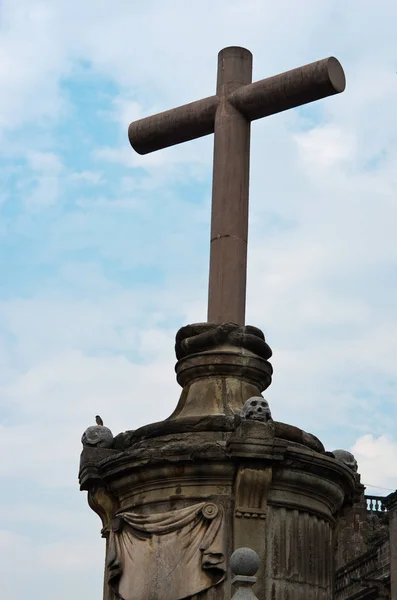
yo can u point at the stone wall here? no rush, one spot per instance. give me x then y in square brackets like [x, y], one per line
[351, 532]
[369, 575]
[391, 505]
[353, 581]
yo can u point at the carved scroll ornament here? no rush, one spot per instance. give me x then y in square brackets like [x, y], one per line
[175, 554]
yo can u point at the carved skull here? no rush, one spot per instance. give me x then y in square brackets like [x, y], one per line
[346, 458]
[256, 409]
[97, 436]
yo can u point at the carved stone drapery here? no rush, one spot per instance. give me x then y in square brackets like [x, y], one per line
[150, 554]
[105, 506]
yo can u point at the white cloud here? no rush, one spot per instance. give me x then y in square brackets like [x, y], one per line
[324, 147]
[87, 176]
[79, 561]
[44, 162]
[377, 460]
[46, 168]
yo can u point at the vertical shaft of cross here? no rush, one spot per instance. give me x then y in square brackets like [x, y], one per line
[229, 221]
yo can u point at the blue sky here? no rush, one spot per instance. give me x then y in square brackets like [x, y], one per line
[104, 253]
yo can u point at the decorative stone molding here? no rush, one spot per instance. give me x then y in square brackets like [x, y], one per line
[220, 424]
[298, 559]
[219, 367]
[105, 505]
[202, 337]
[256, 439]
[252, 490]
[91, 459]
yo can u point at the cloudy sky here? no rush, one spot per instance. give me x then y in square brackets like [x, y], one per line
[104, 254]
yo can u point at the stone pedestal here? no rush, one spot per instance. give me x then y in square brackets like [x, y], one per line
[176, 498]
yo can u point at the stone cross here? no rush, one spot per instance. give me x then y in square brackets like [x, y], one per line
[228, 115]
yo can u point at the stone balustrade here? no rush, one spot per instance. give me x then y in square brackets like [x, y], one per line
[375, 503]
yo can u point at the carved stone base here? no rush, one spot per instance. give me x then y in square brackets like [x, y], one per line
[281, 504]
[177, 497]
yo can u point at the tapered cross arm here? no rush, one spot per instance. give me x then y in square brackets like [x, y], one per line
[255, 100]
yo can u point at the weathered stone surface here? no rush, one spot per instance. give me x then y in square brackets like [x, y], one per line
[245, 562]
[203, 337]
[391, 504]
[218, 424]
[268, 490]
[97, 436]
[351, 532]
[220, 379]
[368, 572]
[347, 458]
[367, 577]
[294, 434]
[273, 487]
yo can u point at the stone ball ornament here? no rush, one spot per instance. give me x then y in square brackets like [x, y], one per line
[97, 436]
[256, 409]
[347, 458]
[244, 562]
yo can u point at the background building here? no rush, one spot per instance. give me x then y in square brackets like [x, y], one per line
[366, 550]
